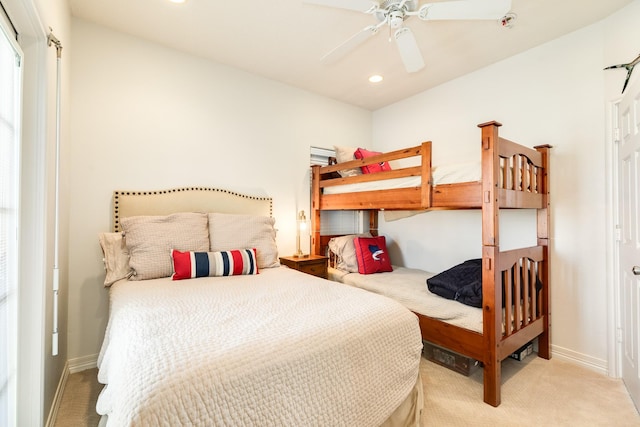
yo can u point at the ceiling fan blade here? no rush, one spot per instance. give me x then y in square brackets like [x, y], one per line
[465, 9]
[357, 5]
[350, 44]
[409, 50]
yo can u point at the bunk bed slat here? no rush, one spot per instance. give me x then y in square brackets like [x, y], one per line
[528, 289]
[464, 196]
[399, 198]
[516, 274]
[394, 173]
[509, 312]
[519, 199]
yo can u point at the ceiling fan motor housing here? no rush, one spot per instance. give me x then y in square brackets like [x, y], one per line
[394, 11]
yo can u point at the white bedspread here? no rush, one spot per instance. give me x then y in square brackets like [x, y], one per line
[281, 348]
[409, 287]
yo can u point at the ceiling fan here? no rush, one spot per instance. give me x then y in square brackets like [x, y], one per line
[395, 12]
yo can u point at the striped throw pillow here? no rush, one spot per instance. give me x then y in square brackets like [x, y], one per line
[188, 265]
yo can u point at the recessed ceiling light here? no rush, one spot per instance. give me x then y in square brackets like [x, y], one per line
[376, 78]
[177, 1]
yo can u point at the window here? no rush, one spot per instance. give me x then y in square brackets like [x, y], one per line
[10, 88]
[336, 222]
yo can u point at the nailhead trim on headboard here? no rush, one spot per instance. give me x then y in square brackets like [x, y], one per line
[117, 194]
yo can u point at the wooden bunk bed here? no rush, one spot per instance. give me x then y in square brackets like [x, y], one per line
[513, 177]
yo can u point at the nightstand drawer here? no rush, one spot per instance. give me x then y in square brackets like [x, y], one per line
[317, 269]
[312, 264]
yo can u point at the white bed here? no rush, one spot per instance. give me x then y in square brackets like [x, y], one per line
[273, 349]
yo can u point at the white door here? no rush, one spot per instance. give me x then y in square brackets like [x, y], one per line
[629, 243]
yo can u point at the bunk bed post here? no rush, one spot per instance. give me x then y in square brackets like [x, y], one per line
[373, 222]
[315, 210]
[425, 173]
[543, 227]
[492, 331]
[491, 283]
[490, 180]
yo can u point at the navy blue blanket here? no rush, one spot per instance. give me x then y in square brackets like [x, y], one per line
[463, 283]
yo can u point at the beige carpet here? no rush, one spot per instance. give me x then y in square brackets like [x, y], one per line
[535, 392]
[78, 405]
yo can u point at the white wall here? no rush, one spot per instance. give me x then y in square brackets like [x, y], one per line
[146, 117]
[552, 94]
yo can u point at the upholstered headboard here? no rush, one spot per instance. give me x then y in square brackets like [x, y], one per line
[190, 199]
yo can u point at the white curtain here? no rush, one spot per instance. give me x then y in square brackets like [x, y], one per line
[10, 88]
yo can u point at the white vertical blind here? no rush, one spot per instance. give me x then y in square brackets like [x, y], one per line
[10, 88]
[336, 222]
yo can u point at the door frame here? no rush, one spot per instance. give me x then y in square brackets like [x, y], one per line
[614, 338]
[31, 372]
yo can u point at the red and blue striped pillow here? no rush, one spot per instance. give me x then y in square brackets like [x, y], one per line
[189, 265]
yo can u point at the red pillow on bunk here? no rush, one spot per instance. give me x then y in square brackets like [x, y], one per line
[361, 153]
[372, 255]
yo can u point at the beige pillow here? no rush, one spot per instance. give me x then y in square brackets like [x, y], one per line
[345, 154]
[151, 239]
[345, 250]
[232, 231]
[116, 257]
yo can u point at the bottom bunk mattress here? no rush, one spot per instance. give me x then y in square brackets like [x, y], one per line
[408, 286]
[277, 348]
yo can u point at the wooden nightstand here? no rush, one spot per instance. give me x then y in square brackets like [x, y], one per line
[312, 264]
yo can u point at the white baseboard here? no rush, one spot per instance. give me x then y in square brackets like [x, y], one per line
[57, 398]
[589, 362]
[82, 363]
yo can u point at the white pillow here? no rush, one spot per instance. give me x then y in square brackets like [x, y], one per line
[116, 257]
[345, 251]
[345, 154]
[231, 231]
[151, 239]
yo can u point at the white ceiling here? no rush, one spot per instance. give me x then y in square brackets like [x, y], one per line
[283, 40]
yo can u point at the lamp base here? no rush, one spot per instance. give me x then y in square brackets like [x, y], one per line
[300, 255]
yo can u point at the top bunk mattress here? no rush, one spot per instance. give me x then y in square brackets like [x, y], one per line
[408, 286]
[441, 175]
